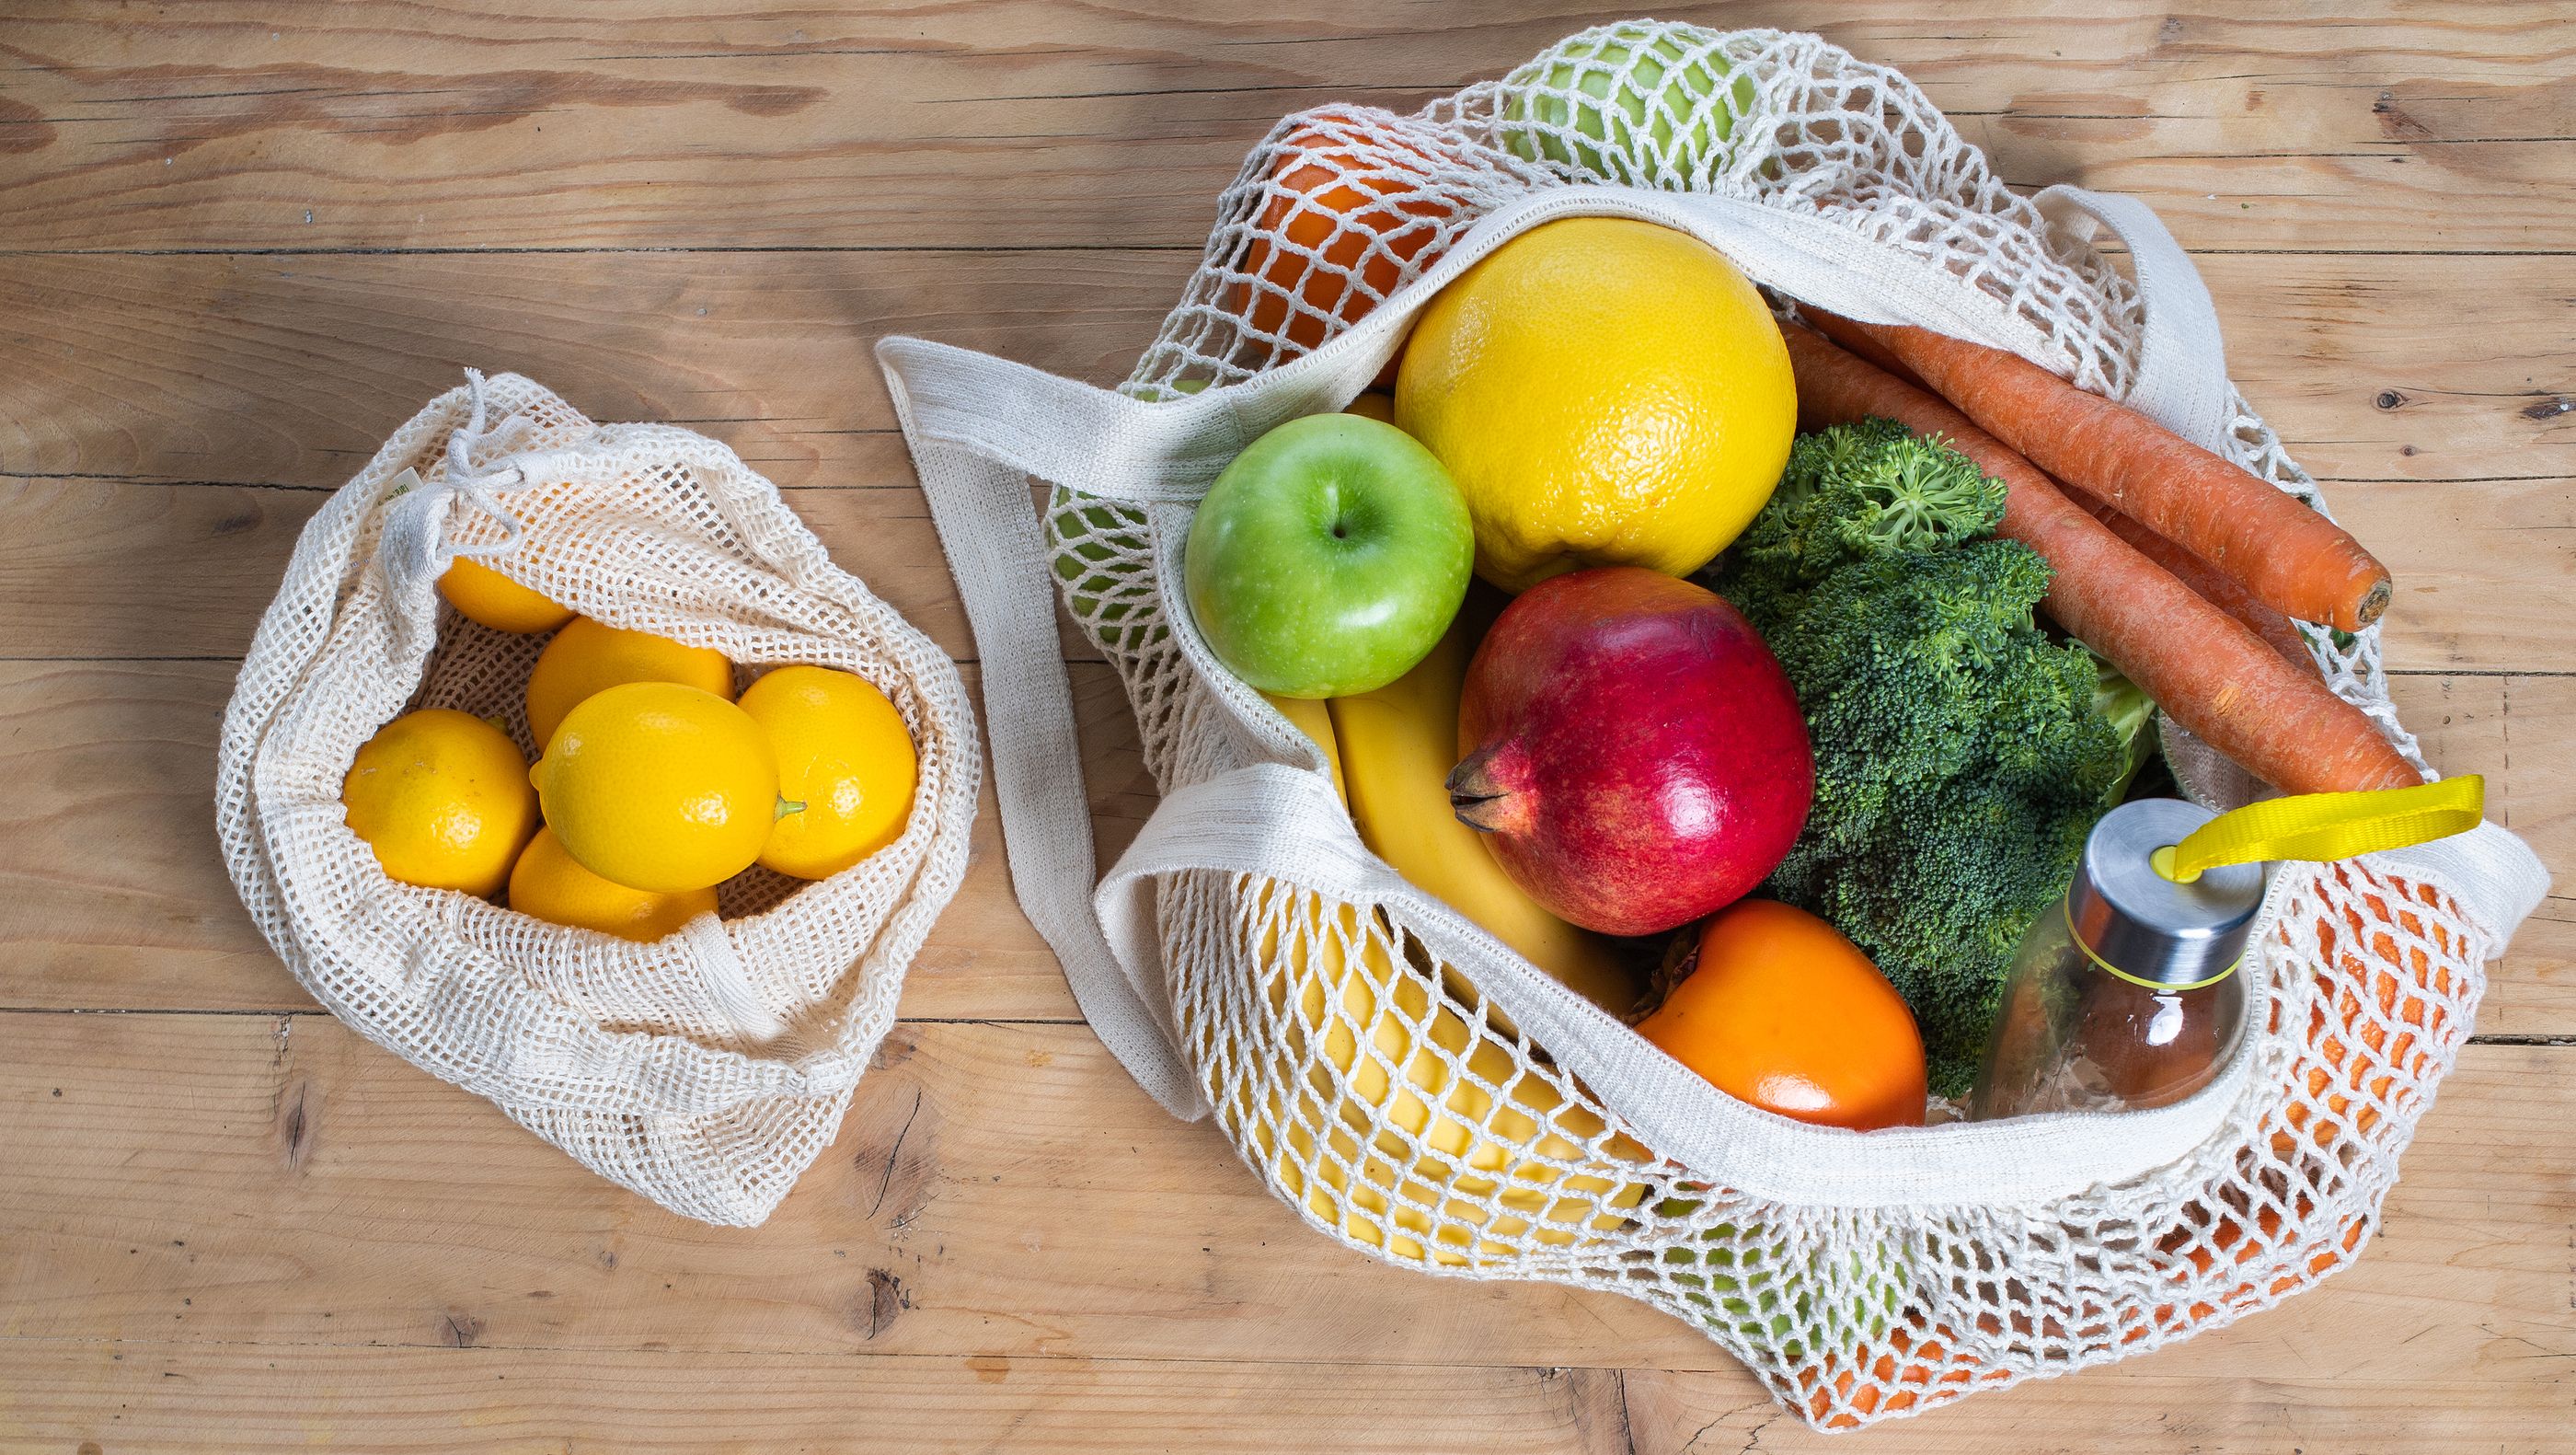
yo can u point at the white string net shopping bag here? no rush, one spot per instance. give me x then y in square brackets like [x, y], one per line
[1418, 1091]
[705, 1071]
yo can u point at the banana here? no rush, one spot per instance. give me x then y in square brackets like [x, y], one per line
[1310, 717]
[1396, 747]
[1400, 1150]
[1433, 1151]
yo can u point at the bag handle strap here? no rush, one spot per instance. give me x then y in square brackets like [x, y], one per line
[2182, 379]
[976, 478]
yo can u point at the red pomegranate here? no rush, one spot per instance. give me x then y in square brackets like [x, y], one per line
[1635, 756]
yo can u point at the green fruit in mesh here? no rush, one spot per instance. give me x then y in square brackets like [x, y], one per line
[1628, 105]
[1733, 1285]
[1095, 547]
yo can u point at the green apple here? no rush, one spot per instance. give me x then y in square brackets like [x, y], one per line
[1627, 104]
[1328, 558]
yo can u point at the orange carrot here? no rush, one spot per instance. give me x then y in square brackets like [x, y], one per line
[2199, 664]
[2289, 556]
[1856, 340]
[2214, 586]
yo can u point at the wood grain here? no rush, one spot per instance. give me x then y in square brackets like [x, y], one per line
[2386, 127]
[333, 1195]
[197, 1399]
[2483, 590]
[147, 372]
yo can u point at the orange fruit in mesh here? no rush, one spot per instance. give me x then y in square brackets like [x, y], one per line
[844, 757]
[589, 657]
[443, 799]
[548, 883]
[487, 596]
[1336, 212]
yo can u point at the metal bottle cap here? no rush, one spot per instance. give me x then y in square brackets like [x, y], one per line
[2144, 925]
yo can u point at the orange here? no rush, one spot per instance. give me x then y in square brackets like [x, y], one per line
[487, 596]
[1359, 207]
[1785, 1013]
[550, 884]
[845, 761]
[659, 786]
[442, 797]
[1373, 405]
[587, 658]
[1605, 392]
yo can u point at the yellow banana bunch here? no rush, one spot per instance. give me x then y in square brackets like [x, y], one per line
[1404, 1150]
[1396, 746]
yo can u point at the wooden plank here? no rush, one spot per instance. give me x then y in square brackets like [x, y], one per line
[2233, 1395]
[996, 1190]
[983, 125]
[111, 899]
[196, 1399]
[216, 1399]
[292, 370]
[2483, 568]
[2515, 731]
[116, 898]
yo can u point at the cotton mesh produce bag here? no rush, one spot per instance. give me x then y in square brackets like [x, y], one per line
[1418, 1091]
[707, 1070]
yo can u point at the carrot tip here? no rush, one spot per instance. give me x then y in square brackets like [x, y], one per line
[2373, 604]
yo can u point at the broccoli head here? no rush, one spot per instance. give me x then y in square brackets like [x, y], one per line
[1960, 759]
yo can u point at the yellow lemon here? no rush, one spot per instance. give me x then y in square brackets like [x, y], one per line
[844, 754]
[487, 596]
[551, 885]
[586, 657]
[1604, 392]
[443, 799]
[658, 786]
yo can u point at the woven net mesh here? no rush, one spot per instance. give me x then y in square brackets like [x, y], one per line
[1377, 1092]
[706, 1070]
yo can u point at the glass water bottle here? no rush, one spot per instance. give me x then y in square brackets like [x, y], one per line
[2125, 995]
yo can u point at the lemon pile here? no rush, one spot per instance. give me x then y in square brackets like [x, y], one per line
[654, 785]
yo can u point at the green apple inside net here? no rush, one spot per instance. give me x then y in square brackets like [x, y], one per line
[1640, 107]
[1731, 1283]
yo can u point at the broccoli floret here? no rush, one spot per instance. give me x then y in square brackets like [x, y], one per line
[1960, 760]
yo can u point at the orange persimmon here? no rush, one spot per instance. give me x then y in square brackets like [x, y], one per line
[1784, 1012]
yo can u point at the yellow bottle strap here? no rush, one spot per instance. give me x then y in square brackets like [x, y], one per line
[2325, 826]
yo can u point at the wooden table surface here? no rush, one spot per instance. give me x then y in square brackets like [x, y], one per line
[240, 242]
